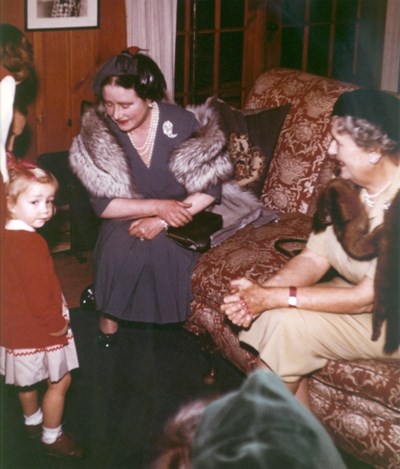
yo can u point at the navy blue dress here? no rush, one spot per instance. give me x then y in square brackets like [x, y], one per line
[150, 280]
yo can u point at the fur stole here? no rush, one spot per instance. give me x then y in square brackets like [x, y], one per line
[339, 205]
[198, 163]
[99, 161]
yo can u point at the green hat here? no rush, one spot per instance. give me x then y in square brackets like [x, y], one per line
[262, 425]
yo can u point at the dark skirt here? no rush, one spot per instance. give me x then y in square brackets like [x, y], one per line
[144, 281]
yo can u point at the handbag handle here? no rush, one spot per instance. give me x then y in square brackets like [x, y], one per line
[287, 253]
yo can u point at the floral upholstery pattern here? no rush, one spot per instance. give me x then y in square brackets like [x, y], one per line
[302, 146]
[358, 401]
[250, 253]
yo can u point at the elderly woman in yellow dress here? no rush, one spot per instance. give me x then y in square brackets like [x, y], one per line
[296, 321]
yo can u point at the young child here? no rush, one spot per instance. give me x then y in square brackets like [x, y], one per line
[36, 343]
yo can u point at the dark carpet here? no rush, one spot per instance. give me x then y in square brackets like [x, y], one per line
[119, 399]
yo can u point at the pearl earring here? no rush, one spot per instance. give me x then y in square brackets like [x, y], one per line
[374, 158]
[151, 105]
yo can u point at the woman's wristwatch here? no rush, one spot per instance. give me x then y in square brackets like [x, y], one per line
[292, 301]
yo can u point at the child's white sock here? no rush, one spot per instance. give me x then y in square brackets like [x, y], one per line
[34, 419]
[50, 435]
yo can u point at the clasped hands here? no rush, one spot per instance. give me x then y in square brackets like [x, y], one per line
[245, 302]
[173, 212]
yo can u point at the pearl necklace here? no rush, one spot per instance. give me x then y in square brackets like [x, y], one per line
[146, 150]
[369, 199]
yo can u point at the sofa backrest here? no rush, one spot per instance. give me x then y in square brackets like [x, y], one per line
[300, 166]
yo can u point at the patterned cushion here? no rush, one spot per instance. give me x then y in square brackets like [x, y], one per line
[252, 136]
[249, 163]
[302, 146]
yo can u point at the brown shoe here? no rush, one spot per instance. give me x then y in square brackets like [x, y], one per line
[63, 447]
[33, 431]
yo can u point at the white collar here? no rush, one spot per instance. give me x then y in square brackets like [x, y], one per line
[18, 225]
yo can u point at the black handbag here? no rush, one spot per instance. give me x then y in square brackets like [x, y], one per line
[196, 235]
[293, 246]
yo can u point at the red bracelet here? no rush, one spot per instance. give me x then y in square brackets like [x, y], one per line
[292, 301]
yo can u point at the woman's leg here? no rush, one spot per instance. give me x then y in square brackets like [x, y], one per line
[298, 388]
[108, 332]
[108, 325]
[53, 402]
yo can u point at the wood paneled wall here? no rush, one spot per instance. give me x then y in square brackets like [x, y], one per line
[65, 61]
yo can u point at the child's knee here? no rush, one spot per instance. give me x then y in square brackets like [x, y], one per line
[62, 385]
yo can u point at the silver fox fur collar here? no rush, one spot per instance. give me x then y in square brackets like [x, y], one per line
[90, 159]
[198, 163]
[202, 160]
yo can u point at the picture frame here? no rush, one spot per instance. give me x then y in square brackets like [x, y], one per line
[41, 15]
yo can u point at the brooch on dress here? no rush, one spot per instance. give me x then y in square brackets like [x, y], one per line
[168, 129]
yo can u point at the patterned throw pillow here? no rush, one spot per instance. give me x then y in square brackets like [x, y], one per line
[248, 160]
[251, 136]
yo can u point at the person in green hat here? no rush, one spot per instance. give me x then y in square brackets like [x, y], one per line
[259, 426]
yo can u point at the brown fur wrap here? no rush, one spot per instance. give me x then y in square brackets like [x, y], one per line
[387, 280]
[339, 205]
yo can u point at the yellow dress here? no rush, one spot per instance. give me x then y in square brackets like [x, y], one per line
[295, 342]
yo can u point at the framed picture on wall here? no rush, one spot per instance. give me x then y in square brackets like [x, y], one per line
[41, 15]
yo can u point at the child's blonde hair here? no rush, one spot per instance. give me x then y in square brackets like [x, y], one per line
[20, 178]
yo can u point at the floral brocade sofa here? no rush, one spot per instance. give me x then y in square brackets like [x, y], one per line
[358, 401]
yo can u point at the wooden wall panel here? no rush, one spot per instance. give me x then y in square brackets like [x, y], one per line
[83, 52]
[65, 62]
[254, 46]
[13, 12]
[53, 101]
[112, 33]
